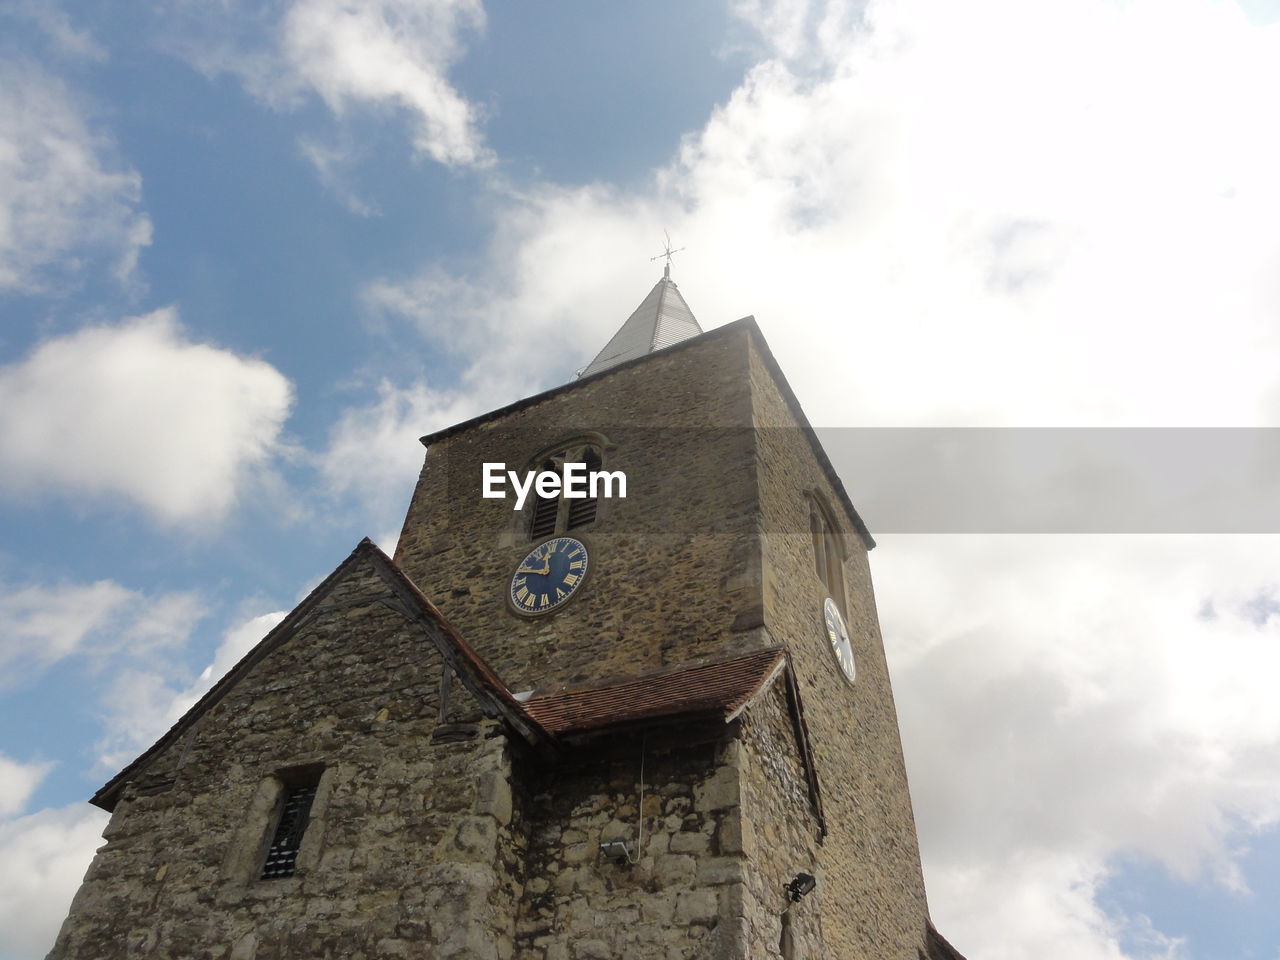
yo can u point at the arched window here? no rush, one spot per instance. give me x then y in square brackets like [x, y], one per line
[828, 553]
[560, 514]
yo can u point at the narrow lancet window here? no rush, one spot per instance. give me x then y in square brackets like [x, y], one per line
[282, 856]
[828, 555]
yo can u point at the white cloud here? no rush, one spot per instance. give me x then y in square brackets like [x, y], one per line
[17, 782]
[49, 17]
[374, 455]
[43, 855]
[139, 411]
[43, 858]
[1045, 250]
[1064, 702]
[382, 55]
[393, 53]
[331, 164]
[63, 194]
[1042, 905]
[45, 624]
[40, 625]
[561, 260]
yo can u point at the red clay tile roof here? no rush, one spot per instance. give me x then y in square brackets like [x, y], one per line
[722, 687]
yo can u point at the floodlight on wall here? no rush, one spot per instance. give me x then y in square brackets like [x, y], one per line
[616, 850]
[800, 886]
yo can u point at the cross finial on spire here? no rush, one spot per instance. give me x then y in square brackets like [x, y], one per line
[668, 253]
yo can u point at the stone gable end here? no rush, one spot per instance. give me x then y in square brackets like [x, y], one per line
[409, 838]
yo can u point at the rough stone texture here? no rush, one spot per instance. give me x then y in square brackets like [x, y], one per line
[411, 846]
[778, 834]
[674, 567]
[682, 896]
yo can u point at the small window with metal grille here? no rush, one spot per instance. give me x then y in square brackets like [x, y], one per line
[560, 514]
[298, 790]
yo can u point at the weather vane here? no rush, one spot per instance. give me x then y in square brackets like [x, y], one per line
[666, 254]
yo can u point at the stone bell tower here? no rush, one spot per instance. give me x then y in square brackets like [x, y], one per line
[568, 725]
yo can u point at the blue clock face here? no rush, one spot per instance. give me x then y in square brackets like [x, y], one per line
[549, 575]
[838, 634]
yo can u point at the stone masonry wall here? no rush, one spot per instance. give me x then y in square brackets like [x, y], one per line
[684, 897]
[780, 833]
[414, 848]
[871, 854]
[674, 571]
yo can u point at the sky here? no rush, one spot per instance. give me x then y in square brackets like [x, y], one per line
[249, 252]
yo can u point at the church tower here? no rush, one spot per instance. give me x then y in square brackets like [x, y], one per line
[620, 694]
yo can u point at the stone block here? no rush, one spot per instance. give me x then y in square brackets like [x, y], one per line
[694, 843]
[245, 947]
[736, 835]
[493, 796]
[471, 838]
[697, 906]
[579, 852]
[671, 869]
[717, 870]
[592, 950]
[660, 908]
[719, 791]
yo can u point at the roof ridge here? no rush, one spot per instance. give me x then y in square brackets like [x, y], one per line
[488, 686]
[665, 282]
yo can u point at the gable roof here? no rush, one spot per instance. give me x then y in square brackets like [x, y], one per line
[662, 319]
[721, 688]
[407, 599]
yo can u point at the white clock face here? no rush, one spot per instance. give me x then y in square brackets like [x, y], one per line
[838, 634]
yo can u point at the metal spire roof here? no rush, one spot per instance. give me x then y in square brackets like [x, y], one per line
[663, 318]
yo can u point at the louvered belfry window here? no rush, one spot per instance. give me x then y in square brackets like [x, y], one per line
[546, 510]
[282, 855]
[828, 559]
[552, 515]
[582, 512]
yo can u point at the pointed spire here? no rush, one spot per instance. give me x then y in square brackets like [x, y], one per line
[663, 318]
